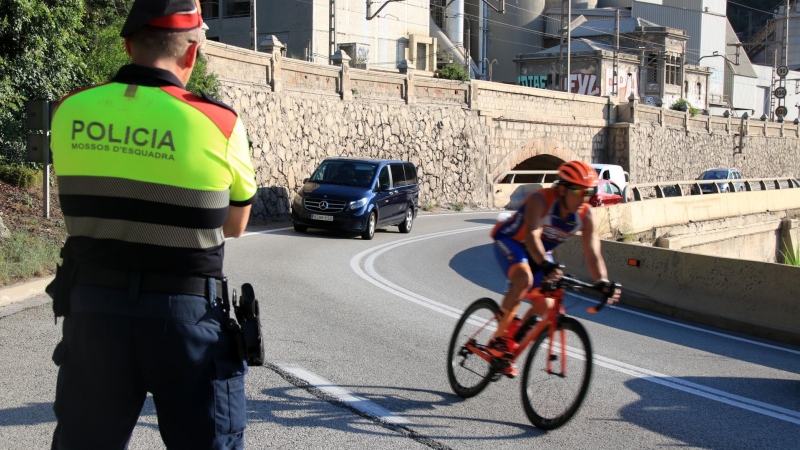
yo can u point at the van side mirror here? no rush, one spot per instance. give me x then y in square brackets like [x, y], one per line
[305, 180]
[385, 187]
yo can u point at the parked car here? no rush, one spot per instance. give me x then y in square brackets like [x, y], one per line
[357, 195]
[608, 193]
[720, 174]
[613, 173]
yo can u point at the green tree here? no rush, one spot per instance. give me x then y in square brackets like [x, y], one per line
[51, 47]
[454, 72]
[41, 44]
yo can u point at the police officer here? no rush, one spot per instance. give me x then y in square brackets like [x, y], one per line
[151, 180]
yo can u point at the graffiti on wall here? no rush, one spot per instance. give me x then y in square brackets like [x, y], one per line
[625, 84]
[537, 81]
[581, 83]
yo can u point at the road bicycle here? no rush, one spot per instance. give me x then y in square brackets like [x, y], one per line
[556, 374]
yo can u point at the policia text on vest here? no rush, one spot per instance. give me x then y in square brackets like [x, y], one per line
[106, 137]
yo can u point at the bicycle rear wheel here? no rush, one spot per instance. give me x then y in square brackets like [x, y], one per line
[469, 373]
[552, 397]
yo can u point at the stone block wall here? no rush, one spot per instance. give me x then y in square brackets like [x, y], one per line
[663, 145]
[292, 134]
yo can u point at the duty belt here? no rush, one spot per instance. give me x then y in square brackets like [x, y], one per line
[168, 284]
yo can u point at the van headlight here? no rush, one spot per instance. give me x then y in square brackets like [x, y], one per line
[298, 198]
[357, 204]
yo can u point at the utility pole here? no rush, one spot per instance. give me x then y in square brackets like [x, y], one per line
[615, 88]
[332, 31]
[255, 27]
[785, 42]
[772, 85]
[566, 35]
[569, 45]
[561, 47]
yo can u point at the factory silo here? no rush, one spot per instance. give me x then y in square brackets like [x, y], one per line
[517, 31]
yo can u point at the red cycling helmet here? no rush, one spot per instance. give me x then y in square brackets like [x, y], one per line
[577, 173]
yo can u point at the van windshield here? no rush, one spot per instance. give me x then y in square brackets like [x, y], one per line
[347, 173]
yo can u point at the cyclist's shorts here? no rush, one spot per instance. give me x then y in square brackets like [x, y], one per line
[512, 255]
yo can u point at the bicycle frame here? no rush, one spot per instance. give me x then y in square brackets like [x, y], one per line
[550, 321]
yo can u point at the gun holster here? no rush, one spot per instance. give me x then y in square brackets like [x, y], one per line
[246, 326]
[59, 289]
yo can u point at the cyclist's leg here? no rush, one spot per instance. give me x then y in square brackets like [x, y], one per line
[513, 261]
[540, 308]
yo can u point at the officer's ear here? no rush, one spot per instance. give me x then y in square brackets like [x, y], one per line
[128, 46]
[191, 55]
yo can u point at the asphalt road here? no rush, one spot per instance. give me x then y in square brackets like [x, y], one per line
[357, 334]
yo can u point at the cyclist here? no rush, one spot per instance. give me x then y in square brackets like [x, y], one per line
[524, 242]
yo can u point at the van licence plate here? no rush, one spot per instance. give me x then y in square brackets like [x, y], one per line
[321, 217]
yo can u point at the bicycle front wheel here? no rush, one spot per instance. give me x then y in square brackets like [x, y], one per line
[552, 393]
[468, 372]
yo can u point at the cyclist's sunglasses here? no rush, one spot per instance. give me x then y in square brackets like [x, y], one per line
[581, 191]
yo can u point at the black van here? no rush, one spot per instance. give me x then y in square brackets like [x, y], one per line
[358, 195]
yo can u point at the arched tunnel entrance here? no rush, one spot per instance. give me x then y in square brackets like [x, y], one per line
[538, 162]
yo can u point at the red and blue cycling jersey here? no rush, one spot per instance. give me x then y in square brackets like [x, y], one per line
[510, 235]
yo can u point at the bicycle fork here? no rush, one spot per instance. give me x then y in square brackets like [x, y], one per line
[551, 355]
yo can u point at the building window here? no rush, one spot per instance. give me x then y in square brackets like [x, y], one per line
[421, 61]
[437, 12]
[700, 92]
[210, 10]
[652, 68]
[685, 89]
[673, 70]
[237, 8]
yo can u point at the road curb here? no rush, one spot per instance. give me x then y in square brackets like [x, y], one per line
[23, 291]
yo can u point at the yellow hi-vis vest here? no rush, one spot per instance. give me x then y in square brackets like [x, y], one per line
[146, 172]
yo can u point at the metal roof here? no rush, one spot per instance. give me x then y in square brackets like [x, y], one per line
[605, 27]
[579, 45]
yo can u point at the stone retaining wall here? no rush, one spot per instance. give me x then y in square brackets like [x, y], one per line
[662, 145]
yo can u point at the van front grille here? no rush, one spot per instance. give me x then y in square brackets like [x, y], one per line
[323, 205]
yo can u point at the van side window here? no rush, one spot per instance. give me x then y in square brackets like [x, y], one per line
[398, 177]
[411, 174]
[383, 178]
[607, 175]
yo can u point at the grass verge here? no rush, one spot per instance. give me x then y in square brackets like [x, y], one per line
[25, 255]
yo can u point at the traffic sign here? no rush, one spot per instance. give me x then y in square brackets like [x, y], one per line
[783, 71]
[780, 92]
[781, 111]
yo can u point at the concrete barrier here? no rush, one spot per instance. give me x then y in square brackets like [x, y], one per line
[762, 299]
[645, 215]
[510, 196]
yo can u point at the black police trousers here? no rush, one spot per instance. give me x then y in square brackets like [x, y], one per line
[119, 344]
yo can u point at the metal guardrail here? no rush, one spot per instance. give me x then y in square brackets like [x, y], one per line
[544, 173]
[666, 189]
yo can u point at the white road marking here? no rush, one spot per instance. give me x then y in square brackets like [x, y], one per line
[371, 275]
[690, 327]
[345, 396]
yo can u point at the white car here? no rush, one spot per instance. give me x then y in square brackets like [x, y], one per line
[613, 173]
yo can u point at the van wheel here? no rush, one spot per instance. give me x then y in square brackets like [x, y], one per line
[300, 228]
[369, 233]
[405, 225]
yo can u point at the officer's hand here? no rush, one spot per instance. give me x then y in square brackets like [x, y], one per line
[551, 272]
[609, 289]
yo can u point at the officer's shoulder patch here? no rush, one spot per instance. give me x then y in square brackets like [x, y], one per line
[211, 99]
[222, 115]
